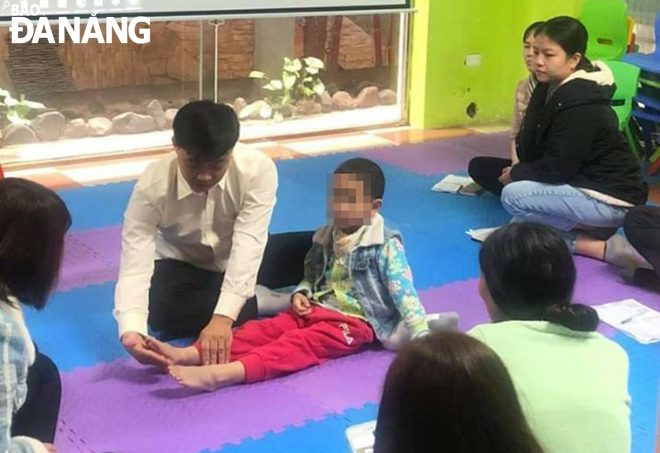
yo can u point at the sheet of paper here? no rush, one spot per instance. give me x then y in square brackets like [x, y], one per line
[361, 437]
[632, 318]
[452, 184]
[481, 234]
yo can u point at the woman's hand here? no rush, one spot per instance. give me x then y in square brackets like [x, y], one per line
[505, 177]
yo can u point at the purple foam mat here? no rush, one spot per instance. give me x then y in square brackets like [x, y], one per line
[352, 382]
[126, 408]
[443, 156]
[597, 283]
[493, 145]
[123, 407]
[600, 283]
[90, 257]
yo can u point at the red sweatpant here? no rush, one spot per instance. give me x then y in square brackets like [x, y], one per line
[287, 343]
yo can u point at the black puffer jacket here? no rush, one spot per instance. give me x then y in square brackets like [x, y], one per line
[574, 139]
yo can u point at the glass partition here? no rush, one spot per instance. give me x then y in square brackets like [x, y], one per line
[283, 75]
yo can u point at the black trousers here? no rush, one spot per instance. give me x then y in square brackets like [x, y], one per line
[37, 418]
[486, 171]
[642, 227]
[183, 297]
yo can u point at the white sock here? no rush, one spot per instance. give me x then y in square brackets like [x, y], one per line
[269, 302]
[445, 320]
[436, 321]
[619, 252]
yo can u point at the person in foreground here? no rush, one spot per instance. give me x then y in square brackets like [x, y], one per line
[571, 380]
[357, 289]
[33, 225]
[450, 392]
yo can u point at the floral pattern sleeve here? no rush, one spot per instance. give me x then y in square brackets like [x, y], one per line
[399, 280]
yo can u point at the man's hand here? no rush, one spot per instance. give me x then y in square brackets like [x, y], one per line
[50, 448]
[136, 346]
[215, 340]
[301, 304]
[505, 177]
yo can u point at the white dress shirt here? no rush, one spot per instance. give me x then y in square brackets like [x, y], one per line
[222, 230]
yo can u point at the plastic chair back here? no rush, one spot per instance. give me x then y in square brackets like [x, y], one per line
[626, 77]
[607, 24]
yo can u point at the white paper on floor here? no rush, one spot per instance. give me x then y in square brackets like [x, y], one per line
[481, 234]
[462, 185]
[632, 318]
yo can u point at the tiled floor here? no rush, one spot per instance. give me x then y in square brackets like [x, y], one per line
[48, 176]
[408, 135]
[105, 169]
[70, 173]
[126, 169]
[338, 144]
[492, 128]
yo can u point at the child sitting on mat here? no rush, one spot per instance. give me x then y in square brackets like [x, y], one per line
[358, 289]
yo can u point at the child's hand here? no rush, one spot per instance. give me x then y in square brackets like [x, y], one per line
[301, 304]
[50, 448]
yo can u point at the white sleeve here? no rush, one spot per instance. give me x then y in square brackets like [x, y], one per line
[248, 241]
[141, 222]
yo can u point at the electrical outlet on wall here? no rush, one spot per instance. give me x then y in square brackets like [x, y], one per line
[473, 60]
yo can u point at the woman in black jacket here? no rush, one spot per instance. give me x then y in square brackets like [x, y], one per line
[576, 171]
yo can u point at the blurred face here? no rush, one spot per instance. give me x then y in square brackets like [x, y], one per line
[202, 175]
[551, 63]
[349, 207]
[528, 52]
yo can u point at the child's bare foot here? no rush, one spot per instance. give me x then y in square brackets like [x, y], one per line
[178, 356]
[209, 377]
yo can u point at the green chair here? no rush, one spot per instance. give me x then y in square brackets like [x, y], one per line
[607, 24]
[626, 77]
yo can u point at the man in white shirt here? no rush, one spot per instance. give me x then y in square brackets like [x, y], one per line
[194, 236]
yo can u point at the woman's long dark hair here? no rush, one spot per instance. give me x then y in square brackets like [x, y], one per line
[532, 29]
[571, 35]
[530, 274]
[448, 392]
[33, 223]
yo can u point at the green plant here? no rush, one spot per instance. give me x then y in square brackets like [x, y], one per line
[15, 110]
[300, 81]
